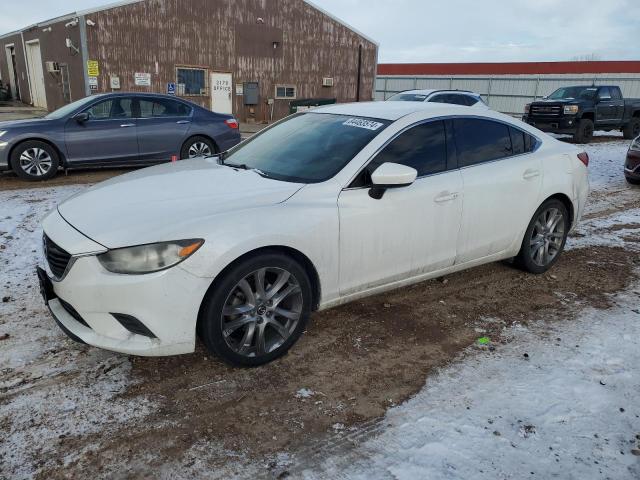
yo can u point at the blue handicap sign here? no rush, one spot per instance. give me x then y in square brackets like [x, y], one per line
[171, 88]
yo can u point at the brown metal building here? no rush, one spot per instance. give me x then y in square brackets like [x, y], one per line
[246, 57]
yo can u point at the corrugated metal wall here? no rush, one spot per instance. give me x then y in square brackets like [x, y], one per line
[506, 93]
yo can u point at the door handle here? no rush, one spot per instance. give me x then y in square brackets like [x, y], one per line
[529, 174]
[182, 122]
[126, 125]
[446, 197]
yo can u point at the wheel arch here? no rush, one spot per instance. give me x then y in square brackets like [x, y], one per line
[297, 255]
[566, 201]
[61, 154]
[590, 115]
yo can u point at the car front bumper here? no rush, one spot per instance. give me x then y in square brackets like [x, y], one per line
[4, 154]
[632, 165]
[552, 124]
[88, 301]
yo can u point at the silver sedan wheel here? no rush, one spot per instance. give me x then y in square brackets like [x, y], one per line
[199, 149]
[261, 312]
[35, 162]
[547, 236]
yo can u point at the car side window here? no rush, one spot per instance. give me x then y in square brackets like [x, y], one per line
[470, 100]
[604, 93]
[439, 99]
[423, 147]
[457, 99]
[517, 141]
[162, 107]
[616, 94]
[478, 140]
[114, 108]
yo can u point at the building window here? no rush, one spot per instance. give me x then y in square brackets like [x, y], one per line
[285, 91]
[191, 81]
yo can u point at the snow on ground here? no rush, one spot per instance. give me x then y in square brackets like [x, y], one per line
[78, 389]
[568, 409]
[546, 411]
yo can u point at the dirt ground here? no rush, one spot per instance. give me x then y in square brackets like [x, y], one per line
[350, 366]
[359, 360]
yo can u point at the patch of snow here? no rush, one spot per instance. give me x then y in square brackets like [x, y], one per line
[305, 393]
[570, 410]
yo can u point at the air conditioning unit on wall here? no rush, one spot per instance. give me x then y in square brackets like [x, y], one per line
[327, 82]
[52, 67]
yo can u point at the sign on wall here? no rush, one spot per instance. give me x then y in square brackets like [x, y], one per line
[171, 88]
[93, 84]
[142, 79]
[93, 70]
[239, 89]
[114, 82]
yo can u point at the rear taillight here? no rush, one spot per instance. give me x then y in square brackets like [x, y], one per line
[584, 158]
[232, 123]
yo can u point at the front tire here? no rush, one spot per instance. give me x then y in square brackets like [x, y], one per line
[197, 147]
[584, 132]
[545, 237]
[633, 181]
[257, 310]
[35, 161]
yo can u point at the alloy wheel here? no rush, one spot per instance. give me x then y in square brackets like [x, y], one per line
[35, 161]
[199, 149]
[261, 312]
[547, 236]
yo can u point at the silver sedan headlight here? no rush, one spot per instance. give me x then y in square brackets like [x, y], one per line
[635, 145]
[149, 258]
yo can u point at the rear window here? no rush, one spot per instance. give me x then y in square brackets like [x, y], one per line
[479, 140]
[408, 97]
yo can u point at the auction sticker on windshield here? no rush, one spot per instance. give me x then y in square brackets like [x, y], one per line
[362, 123]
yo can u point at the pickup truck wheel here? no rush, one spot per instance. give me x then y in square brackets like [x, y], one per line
[35, 161]
[632, 129]
[584, 132]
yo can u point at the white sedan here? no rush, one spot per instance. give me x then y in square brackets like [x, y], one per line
[454, 97]
[320, 209]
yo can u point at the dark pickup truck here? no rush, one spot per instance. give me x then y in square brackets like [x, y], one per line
[580, 110]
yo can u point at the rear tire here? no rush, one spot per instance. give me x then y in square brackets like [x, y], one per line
[633, 181]
[632, 129]
[584, 132]
[257, 310]
[197, 146]
[35, 161]
[544, 238]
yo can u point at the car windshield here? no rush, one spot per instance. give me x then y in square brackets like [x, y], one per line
[408, 97]
[67, 109]
[307, 147]
[586, 93]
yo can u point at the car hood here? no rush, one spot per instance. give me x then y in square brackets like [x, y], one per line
[168, 202]
[559, 101]
[29, 122]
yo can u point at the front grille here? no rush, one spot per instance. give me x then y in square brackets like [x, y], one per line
[57, 257]
[546, 110]
[72, 311]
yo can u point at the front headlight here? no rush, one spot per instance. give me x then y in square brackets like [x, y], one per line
[527, 108]
[570, 109]
[149, 258]
[2, 132]
[635, 145]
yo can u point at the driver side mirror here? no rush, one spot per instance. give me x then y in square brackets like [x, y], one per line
[391, 175]
[81, 117]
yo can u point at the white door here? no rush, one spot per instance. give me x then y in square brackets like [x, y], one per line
[221, 94]
[502, 184]
[36, 74]
[410, 230]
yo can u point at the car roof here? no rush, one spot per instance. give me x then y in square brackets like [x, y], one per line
[429, 91]
[392, 110]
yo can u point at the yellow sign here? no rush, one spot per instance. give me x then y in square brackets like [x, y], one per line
[92, 68]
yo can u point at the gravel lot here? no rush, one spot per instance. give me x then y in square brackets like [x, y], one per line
[357, 375]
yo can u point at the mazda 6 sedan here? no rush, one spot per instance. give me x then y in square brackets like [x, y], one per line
[322, 208]
[113, 129]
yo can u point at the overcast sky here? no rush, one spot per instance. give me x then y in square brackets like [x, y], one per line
[451, 30]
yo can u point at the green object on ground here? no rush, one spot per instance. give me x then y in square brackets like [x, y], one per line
[484, 340]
